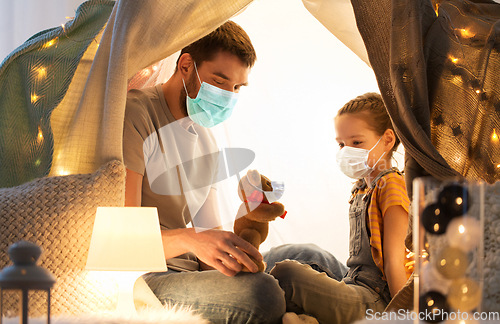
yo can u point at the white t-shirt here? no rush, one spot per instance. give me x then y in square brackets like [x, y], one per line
[178, 159]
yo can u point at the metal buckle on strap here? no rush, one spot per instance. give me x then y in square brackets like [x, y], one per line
[367, 194]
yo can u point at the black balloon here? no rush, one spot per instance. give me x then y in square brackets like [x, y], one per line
[432, 306]
[454, 200]
[434, 220]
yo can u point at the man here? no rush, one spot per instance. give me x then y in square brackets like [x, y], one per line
[168, 152]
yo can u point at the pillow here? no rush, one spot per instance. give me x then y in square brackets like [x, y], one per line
[57, 213]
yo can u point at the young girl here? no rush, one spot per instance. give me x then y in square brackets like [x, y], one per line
[378, 219]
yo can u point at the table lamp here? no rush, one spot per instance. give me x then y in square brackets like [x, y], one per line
[126, 240]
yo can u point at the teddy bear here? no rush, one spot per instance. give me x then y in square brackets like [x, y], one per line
[258, 208]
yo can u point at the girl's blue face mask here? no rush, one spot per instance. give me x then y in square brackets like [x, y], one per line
[211, 106]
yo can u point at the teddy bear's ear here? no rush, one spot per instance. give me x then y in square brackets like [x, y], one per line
[254, 178]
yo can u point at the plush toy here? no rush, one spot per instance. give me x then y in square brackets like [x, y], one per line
[259, 207]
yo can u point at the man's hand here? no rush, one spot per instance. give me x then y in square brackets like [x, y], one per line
[217, 249]
[223, 251]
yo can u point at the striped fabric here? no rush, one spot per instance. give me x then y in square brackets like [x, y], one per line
[390, 190]
[34, 79]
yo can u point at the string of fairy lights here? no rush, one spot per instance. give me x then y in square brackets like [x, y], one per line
[463, 75]
[41, 75]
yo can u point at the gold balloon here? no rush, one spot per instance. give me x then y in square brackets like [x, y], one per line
[451, 262]
[464, 294]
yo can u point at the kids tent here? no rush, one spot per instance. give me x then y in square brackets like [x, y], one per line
[435, 64]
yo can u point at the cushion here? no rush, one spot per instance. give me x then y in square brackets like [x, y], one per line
[57, 213]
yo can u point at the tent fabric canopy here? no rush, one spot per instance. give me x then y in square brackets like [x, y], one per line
[34, 80]
[81, 123]
[439, 84]
[415, 76]
[437, 65]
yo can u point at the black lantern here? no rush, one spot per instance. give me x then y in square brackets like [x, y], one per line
[25, 275]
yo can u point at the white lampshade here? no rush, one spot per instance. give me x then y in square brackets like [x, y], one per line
[126, 239]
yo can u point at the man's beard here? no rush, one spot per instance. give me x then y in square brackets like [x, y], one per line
[191, 88]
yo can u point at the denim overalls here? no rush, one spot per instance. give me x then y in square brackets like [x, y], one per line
[362, 268]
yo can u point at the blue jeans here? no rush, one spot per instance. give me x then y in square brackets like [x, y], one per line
[311, 254]
[244, 298]
[315, 287]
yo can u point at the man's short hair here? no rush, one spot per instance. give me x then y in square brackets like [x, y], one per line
[229, 37]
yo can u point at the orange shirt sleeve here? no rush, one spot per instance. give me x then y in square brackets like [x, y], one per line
[390, 191]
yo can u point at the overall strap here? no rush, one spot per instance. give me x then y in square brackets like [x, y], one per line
[369, 192]
[361, 184]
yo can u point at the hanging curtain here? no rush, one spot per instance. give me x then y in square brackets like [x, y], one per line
[437, 67]
[35, 79]
[73, 123]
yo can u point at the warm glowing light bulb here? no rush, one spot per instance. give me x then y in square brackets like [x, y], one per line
[453, 59]
[466, 33]
[498, 166]
[40, 135]
[50, 43]
[42, 72]
[63, 172]
[494, 136]
[425, 254]
[34, 98]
